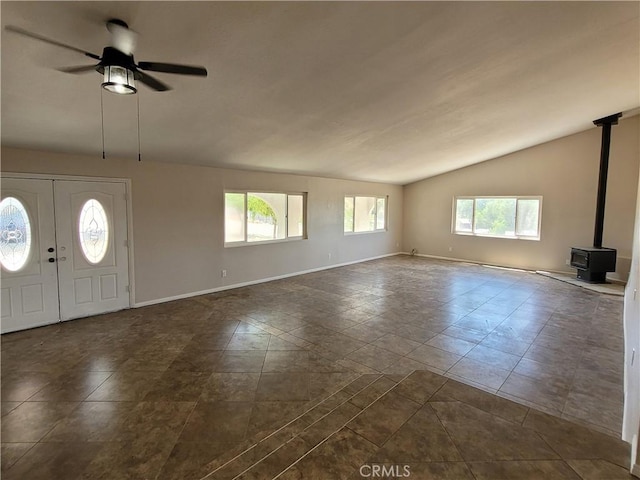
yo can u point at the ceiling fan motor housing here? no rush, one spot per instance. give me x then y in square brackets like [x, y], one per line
[112, 56]
[116, 21]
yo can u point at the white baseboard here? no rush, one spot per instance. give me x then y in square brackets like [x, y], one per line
[474, 262]
[255, 282]
[531, 270]
[635, 470]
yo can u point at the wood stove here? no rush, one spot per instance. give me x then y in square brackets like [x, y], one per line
[593, 263]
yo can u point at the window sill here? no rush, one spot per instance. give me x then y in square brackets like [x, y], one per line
[349, 234]
[263, 242]
[516, 237]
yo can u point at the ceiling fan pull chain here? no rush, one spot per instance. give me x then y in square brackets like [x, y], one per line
[138, 100]
[102, 118]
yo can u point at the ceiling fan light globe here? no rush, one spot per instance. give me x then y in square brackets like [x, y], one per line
[119, 80]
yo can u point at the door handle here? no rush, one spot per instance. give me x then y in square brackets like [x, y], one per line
[50, 249]
[62, 259]
[51, 260]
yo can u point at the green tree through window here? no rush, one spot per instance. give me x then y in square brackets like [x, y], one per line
[513, 217]
[260, 211]
[263, 216]
[496, 216]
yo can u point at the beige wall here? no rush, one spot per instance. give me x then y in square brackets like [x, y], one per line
[178, 212]
[564, 172]
[178, 221]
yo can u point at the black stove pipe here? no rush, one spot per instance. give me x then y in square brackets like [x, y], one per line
[606, 124]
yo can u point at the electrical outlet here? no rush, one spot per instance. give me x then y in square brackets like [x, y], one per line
[451, 249]
[223, 273]
[329, 255]
[567, 262]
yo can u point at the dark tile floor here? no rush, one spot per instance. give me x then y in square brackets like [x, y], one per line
[426, 426]
[165, 391]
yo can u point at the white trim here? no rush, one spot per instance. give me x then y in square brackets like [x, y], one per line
[128, 203]
[365, 232]
[255, 282]
[287, 237]
[507, 237]
[515, 236]
[246, 243]
[130, 242]
[478, 262]
[46, 176]
[475, 262]
[635, 470]
[376, 229]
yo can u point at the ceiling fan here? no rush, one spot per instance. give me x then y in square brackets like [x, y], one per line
[117, 63]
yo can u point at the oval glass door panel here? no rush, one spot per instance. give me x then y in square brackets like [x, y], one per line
[93, 229]
[15, 234]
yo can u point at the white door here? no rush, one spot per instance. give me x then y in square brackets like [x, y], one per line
[91, 226]
[63, 250]
[27, 254]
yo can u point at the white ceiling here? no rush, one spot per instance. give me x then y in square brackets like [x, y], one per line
[382, 91]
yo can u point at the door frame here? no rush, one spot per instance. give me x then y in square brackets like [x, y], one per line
[127, 185]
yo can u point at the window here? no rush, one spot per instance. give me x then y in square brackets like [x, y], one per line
[510, 217]
[93, 230]
[364, 214]
[251, 217]
[15, 234]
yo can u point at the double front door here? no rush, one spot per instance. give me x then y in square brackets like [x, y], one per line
[63, 250]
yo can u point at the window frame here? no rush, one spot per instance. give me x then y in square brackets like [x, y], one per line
[517, 198]
[375, 222]
[246, 242]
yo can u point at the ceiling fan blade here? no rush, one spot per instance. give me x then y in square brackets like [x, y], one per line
[78, 69]
[151, 82]
[122, 37]
[35, 36]
[173, 68]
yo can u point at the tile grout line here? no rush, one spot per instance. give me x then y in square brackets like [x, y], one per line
[539, 435]
[27, 451]
[336, 431]
[447, 431]
[93, 391]
[523, 355]
[294, 420]
[59, 421]
[39, 441]
[575, 373]
[184, 425]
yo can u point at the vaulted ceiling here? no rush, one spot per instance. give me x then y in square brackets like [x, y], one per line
[381, 91]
